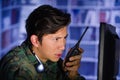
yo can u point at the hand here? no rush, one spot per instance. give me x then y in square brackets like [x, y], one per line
[73, 65]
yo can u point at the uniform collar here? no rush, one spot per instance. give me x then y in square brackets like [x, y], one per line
[51, 66]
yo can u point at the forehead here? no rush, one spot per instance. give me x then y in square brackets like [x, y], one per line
[60, 33]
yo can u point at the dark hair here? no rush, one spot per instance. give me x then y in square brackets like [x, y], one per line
[45, 20]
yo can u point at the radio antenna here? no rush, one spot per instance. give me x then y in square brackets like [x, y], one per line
[81, 37]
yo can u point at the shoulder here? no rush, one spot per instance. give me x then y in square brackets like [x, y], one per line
[13, 56]
[16, 63]
[16, 57]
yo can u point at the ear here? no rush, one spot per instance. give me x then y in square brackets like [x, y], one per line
[34, 40]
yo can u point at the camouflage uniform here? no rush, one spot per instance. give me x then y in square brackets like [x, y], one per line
[20, 64]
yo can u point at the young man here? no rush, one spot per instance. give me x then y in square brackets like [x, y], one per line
[39, 56]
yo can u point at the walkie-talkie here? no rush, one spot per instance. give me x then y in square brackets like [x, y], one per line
[75, 49]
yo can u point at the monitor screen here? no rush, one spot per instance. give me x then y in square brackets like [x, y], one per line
[108, 52]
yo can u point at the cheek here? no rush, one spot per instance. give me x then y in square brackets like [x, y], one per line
[49, 47]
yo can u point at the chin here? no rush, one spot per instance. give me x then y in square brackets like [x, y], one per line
[55, 60]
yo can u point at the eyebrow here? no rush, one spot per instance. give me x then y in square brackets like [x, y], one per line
[66, 36]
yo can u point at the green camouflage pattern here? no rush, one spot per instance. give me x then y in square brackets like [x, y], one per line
[19, 64]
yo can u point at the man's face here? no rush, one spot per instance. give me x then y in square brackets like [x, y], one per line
[53, 45]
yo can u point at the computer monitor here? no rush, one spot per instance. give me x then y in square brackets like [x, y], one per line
[108, 52]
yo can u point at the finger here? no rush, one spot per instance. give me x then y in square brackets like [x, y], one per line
[73, 63]
[73, 68]
[81, 50]
[77, 57]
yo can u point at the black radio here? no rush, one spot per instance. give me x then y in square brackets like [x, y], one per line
[75, 49]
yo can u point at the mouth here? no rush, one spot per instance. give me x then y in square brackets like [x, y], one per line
[58, 55]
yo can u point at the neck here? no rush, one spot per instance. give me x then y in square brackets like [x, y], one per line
[38, 54]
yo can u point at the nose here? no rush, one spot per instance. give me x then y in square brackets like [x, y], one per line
[62, 45]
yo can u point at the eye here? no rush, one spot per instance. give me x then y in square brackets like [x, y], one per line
[57, 39]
